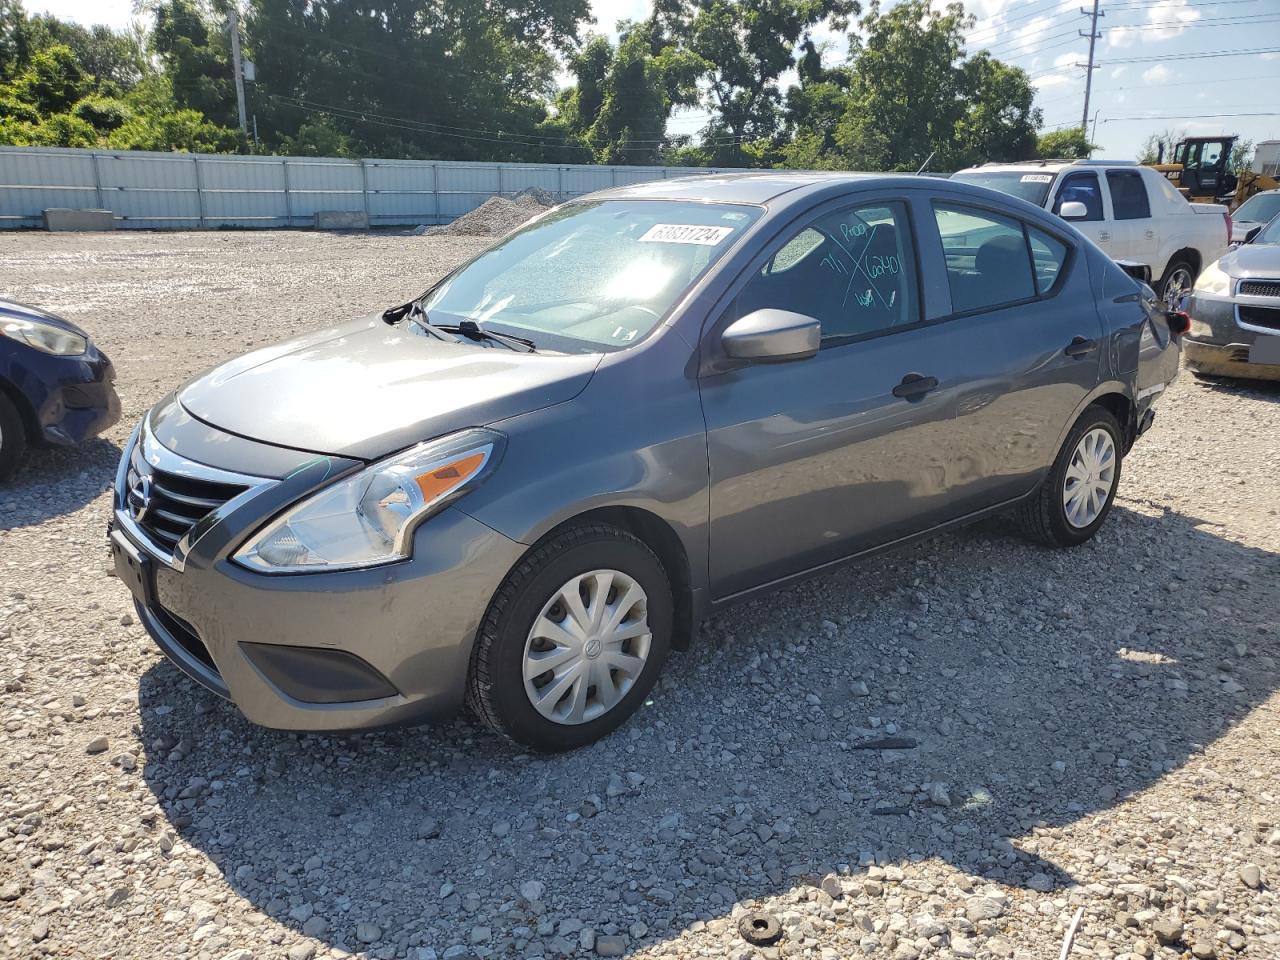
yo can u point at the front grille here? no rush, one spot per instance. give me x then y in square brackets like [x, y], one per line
[173, 503]
[1268, 317]
[1259, 288]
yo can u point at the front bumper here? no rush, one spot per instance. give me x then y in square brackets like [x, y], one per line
[1221, 341]
[326, 651]
[71, 398]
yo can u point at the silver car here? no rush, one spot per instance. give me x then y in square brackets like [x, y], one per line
[522, 489]
[1235, 311]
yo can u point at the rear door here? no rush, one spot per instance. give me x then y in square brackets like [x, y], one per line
[1133, 229]
[816, 459]
[1084, 186]
[1024, 305]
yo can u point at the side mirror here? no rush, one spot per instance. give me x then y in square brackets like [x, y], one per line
[1248, 237]
[1074, 210]
[772, 336]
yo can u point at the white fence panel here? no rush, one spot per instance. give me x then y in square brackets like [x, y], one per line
[189, 191]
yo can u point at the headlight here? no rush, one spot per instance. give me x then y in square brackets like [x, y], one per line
[44, 337]
[1214, 281]
[369, 518]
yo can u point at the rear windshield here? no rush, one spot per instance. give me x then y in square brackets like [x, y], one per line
[1032, 187]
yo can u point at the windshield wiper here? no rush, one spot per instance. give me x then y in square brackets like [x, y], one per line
[414, 312]
[469, 328]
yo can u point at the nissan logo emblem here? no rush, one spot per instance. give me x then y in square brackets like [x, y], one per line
[141, 489]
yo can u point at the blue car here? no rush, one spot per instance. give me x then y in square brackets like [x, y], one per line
[56, 387]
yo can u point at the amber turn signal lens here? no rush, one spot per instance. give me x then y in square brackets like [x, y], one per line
[443, 479]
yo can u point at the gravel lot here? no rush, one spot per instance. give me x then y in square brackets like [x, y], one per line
[1095, 729]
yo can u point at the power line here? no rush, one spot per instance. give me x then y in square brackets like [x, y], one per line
[1192, 116]
[1256, 51]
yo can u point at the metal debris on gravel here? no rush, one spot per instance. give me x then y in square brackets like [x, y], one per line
[1102, 721]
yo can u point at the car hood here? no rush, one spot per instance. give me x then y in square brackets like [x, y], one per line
[1252, 260]
[10, 308]
[365, 389]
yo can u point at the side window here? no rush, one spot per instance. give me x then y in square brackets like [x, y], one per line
[1048, 254]
[987, 260]
[1128, 195]
[853, 270]
[1082, 188]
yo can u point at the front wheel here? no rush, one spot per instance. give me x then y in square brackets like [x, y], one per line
[1076, 496]
[13, 438]
[573, 639]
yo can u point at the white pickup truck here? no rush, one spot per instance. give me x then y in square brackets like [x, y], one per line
[1130, 211]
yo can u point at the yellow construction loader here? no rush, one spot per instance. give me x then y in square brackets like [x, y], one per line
[1200, 167]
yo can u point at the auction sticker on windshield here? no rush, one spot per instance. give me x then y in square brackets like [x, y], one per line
[685, 233]
[1038, 178]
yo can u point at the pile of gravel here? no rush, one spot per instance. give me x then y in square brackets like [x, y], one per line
[495, 217]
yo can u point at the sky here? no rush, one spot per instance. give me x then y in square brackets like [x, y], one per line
[1167, 64]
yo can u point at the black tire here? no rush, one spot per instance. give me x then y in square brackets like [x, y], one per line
[13, 438]
[495, 680]
[1176, 270]
[1042, 516]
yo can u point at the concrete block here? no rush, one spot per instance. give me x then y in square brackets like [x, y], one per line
[67, 220]
[342, 220]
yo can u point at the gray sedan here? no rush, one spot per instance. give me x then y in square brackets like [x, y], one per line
[1235, 311]
[525, 487]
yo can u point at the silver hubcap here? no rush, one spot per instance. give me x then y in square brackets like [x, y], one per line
[1090, 476]
[587, 647]
[1179, 286]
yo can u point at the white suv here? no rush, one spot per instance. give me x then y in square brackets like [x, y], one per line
[1132, 212]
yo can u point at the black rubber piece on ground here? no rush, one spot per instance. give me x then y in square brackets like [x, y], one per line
[760, 929]
[1042, 517]
[495, 680]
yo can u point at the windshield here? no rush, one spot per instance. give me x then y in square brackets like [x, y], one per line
[1258, 209]
[1270, 233]
[1032, 187]
[591, 276]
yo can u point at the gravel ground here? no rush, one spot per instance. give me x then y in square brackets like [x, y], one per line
[1088, 731]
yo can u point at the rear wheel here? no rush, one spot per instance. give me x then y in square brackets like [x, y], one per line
[1179, 277]
[573, 640]
[13, 438]
[1075, 498]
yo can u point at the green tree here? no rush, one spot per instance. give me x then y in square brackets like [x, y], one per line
[1000, 121]
[188, 41]
[746, 46]
[102, 54]
[625, 96]
[1068, 144]
[1158, 144]
[54, 81]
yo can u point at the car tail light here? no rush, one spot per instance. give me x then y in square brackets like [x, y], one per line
[1227, 217]
[1179, 321]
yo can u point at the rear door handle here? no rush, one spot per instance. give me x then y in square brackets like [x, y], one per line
[1080, 347]
[1104, 236]
[914, 386]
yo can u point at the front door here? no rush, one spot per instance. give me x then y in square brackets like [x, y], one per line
[1082, 186]
[819, 458]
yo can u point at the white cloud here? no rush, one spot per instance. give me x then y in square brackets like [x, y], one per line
[1119, 72]
[1172, 15]
[1157, 74]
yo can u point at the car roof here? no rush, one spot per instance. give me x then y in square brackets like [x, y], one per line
[746, 187]
[1031, 166]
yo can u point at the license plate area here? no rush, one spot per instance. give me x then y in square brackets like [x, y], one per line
[133, 567]
[1265, 350]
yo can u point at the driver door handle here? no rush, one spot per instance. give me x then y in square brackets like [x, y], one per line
[914, 386]
[1080, 347]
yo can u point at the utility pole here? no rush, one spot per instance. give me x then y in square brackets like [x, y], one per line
[1093, 36]
[235, 65]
